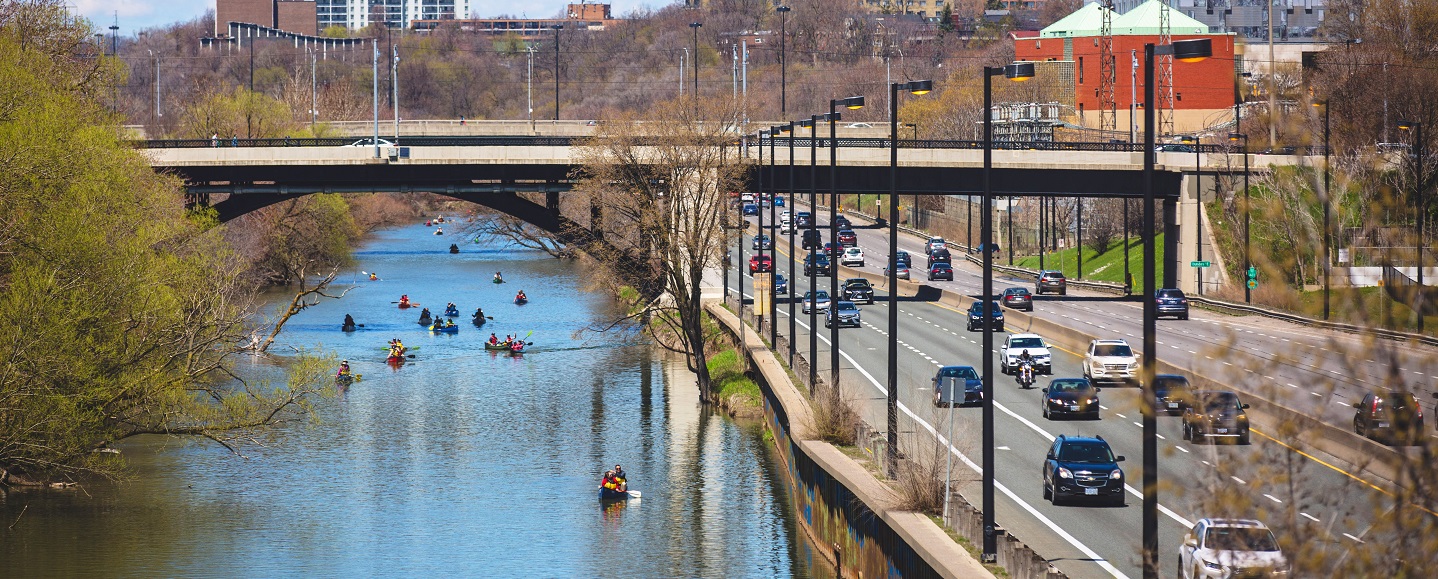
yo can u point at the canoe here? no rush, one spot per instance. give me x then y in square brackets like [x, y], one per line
[426, 321]
[405, 305]
[347, 328]
[478, 321]
[447, 330]
[394, 360]
[454, 249]
[609, 495]
[504, 346]
[451, 313]
[520, 301]
[345, 380]
[498, 281]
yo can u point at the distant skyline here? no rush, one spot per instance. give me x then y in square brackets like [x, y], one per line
[136, 15]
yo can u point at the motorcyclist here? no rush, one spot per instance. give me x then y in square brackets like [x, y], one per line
[1026, 364]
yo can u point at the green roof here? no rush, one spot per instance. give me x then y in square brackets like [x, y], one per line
[1142, 20]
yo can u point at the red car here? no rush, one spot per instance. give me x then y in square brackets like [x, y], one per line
[832, 249]
[847, 238]
[761, 263]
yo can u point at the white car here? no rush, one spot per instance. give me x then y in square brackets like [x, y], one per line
[746, 197]
[935, 243]
[369, 142]
[1110, 361]
[1016, 345]
[1221, 548]
[853, 257]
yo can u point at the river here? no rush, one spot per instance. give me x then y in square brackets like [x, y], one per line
[460, 462]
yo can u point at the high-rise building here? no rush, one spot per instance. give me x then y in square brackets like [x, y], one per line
[392, 13]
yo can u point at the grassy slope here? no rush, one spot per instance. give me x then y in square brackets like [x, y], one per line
[1107, 266]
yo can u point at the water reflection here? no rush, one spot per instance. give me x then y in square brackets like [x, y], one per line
[459, 461]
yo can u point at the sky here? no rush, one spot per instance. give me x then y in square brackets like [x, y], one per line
[136, 15]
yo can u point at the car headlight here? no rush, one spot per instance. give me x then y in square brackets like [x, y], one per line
[1093, 401]
[1055, 402]
[1116, 474]
[1064, 473]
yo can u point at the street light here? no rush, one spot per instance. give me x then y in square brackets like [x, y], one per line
[1019, 71]
[1247, 256]
[783, 60]
[852, 103]
[1184, 51]
[774, 133]
[813, 125]
[695, 27]
[917, 87]
[792, 216]
[557, 28]
[1327, 213]
[1417, 128]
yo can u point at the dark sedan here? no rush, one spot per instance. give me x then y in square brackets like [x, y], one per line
[976, 316]
[1172, 302]
[857, 289]
[957, 385]
[781, 284]
[1172, 393]
[1017, 298]
[763, 242]
[833, 249]
[1070, 397]
[820, 265]
[1215, 414]
[941, 271]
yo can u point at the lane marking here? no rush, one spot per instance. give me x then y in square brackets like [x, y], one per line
[1238, 480]
[1309, 517]
[1185, 450]
[1356, 539]
[1273, 498]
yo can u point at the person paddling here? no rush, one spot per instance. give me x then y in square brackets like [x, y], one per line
[344, 371]
[479, 313]
[493, 340]
[520, 297]
[498, 278]
[621, 480]
[373, 277]
[349, 321]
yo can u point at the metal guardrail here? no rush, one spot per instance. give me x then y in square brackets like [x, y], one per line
[478, 141]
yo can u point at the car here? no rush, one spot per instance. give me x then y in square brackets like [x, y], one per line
[847, 238]
[976, 316]
[1070, 397]
[957, 385]
[763, 242]
[941, 271]
[853, 257]
[1110, 361]
[857, 289]
[369, 142]
[992, 247]
[1050, 280]
[803, 219]
[902, 273]
[940, 255]
[760, 264]
[1173, 148]
[751, 209]
[786, 226]
[858, 126]
[592, 124]
[847, 313]
[903, 258]
[833, 249]
[811, 239]
[841, 222]
[818, 300]
[1017, 298]
[1014, 347]
[1391, 416]
[1213, 414]
[935, 243]
[786, 214]
[779, 201]
[1080, 467]
[1222, 548]
[819, 266]
[781, 284]
[746, 197]
[1172, 393]
[1288, 150]
[1171, 302]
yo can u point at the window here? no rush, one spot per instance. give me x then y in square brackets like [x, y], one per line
[1080, 69]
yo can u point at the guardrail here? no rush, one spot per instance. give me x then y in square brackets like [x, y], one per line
[478, 141]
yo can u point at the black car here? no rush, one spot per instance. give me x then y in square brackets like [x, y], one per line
[857, 289]
[941, 271]
[803, 219]
[903, 258]
[976, 316]
[940, 255]
[1017, 298]
[1050, 280]
[847, 238]
[762, 242]
[1214, 414]
[1070, 397]
[1395, 417]
[1080, 467]
[1172, 394]
[842, 222]
[820, 265]
[812, 239]
[1171, 302]
[957, 385]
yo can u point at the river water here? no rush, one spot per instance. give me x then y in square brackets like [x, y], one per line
[460, 462]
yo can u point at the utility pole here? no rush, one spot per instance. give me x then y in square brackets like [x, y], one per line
[529, 86]
[1132, 103]
[314, 91]
[744, 82]
[682, 55]
[1273, 87]
[158, 114]
[374, 90]
[557, 28]
[394, 82]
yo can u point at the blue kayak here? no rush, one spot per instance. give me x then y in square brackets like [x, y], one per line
[447, 329]
[451, 313]
[612, 495]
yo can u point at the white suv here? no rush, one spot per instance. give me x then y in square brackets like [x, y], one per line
[1016, 345]
[935, 243]
[1230, 548]
[853, 257]
[1110, 361]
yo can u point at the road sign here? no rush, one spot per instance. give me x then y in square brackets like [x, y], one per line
[1200, 263]
[1252, 284]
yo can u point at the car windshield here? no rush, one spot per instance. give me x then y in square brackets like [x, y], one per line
[1068, 386]
[857, 284]
[1164, 385]
[1401, 401]
[1220, 402]
[1119, 350]
[1016, 291]
[965, 372]
[1240, 539]
[823, 295]
[1170, 293]
[853, 251]
[1026, 343]
[1085, 452]
[848, 306]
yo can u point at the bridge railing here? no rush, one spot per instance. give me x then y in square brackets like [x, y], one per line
[504, 141]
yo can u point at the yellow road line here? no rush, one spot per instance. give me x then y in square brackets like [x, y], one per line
[1337, 469]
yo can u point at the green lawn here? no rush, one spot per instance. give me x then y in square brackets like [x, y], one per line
[1107, 266]
[726, 371]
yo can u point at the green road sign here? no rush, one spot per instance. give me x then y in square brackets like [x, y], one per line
[1252, 284]
[1252, 273]
[1200, 263]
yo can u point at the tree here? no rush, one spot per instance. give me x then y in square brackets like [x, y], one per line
[661, 191]
[946, 19]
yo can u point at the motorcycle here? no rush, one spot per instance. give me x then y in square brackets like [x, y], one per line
[1025, 375]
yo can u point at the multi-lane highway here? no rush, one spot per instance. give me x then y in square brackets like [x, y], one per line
[1330, 506]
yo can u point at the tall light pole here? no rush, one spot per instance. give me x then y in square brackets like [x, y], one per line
[851, 103]
[394, 82]
[918, 87]
[1019, 71]
[695, 27]
[783, 58]
[529, 86]
[793, 127]
[374, 88]
[813, 234]
[1327, 214]
[774, 133]
[557, 28]
[1417, 128]
[1247, 255]
[1183, 51]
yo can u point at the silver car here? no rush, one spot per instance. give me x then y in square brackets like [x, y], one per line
[846, 312]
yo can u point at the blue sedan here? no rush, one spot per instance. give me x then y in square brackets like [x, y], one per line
[751, 209]
[781, 285]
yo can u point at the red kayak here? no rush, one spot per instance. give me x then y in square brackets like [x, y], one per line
[407, 305]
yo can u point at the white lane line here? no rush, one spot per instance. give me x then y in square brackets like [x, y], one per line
[1118, 415]
[1160, 436]
[1353, 537]
[1309, 517]
[1343, 403]
[1238, 480]
[1138, 425]
[1273, 498]
[1316, 394]
[1206, 462]
[1182, 448]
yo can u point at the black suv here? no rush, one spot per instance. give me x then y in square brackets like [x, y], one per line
[842, 222]
[976, 316]
[1018, 298]
[820, 265]
[1050, 280]
[847, 238]
[1082, 467]
[1395, 417]
[857, 289]
[1215, 413]
[940, 255]
[1172, 302]
[1171, 393]
[1070, 397]
[812, 239]
[803, 219]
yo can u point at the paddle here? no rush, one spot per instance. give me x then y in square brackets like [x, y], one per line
[633, 494]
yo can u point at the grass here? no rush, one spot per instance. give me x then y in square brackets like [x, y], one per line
[974, 551]
[726, 373]
[1107, 266]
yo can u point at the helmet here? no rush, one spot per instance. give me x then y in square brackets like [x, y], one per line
[344, 361]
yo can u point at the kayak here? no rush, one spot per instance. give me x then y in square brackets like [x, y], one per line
[453, 248]
[426, 321]
[406, 305]
[496, 347]
[394, 360]
[612, 495]
[446, 329]
[347, 328]
[451, 313]
[520, 301]
[478, 321]
[497, 280]
[345, 380]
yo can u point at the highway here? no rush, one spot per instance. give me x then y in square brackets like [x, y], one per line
[1329, 507]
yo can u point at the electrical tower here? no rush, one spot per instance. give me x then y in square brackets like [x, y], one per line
[1108, 109]
[1165, 73]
